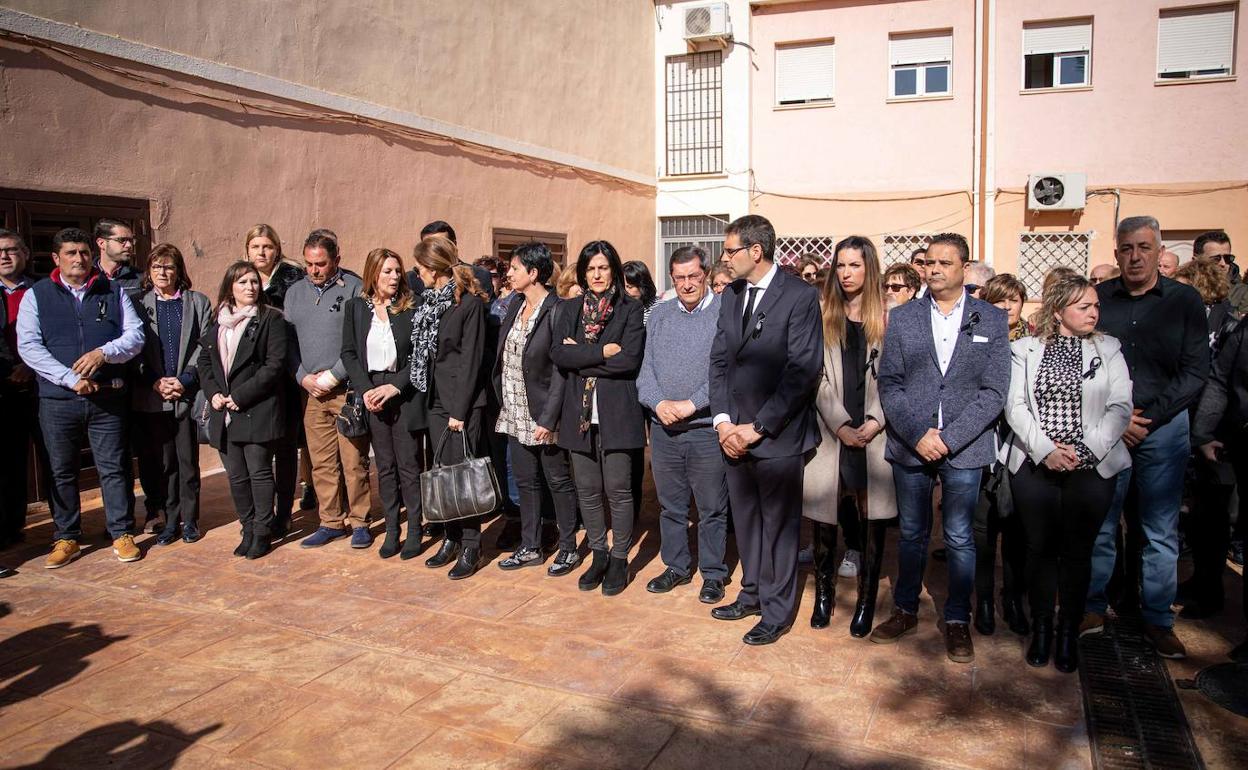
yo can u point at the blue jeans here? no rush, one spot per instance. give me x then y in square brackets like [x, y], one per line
[959, 494]
[69, 426]
[1153, 489]
[685, 462]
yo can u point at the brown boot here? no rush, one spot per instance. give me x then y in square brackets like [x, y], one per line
[958, 643]
[897, 626]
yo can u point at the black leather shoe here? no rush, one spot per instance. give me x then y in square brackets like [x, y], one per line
[765, 633]
[468, 564]
[1013, 614]
[1041, 646]
[564, 563]
[667, 580]
[735, 611]
[712, 592]
[190, 533]
[509, 538]
[985, 616]
[168, 536]
[307, 501]
[281, 527]
[616, 579]
[592, 577]
[445, 555]
[1066, 649]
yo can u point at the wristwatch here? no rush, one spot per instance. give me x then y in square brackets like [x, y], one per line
[758, 428]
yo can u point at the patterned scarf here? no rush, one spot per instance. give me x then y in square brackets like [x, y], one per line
[425, 331]
[596, 312]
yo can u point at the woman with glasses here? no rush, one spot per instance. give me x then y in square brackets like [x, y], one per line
[809, 268]
[168, 378]
[720, 277]
[901, 284]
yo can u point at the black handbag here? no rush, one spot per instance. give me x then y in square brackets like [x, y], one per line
[201, 412]
[352, 421]
[460, 491]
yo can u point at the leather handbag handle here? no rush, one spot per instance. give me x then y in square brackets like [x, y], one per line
[442, 440]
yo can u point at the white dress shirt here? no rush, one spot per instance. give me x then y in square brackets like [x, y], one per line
[381, 351]
[945, 330]
[761, 288]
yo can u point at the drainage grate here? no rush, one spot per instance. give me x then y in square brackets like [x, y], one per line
[1226, 684]
[1135, 719]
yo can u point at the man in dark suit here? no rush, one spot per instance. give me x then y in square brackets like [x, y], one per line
[765, 365]
[944, 375]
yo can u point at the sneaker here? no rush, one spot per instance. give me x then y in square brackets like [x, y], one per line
[63, 551]
[361, 537]
[1092, 623]
[850, 564]
[125, 549]
[523, 557]
[1165, 642]
[565, 562]
[322, 536]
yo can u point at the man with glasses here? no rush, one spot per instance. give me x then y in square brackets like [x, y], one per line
[1103, 272]
[1215, 246]
[17, 391]
[918, 260]
[1165, 340]
[115, 244]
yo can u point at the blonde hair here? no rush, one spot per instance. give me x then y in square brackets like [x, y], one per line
[1058, 295]
[263, 231]
[1205, 277]
[376, 259]
[566, 282]
[439, 254]
[835, 302]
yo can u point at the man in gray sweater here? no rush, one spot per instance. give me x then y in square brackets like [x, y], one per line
[684, 449]
[315, 308]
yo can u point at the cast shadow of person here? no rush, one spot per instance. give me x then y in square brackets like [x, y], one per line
[38, 660]
[122, 744]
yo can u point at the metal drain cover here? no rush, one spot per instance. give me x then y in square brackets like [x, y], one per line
[1226, 684]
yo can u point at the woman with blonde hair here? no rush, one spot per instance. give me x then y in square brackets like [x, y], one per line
[1214, 288]
[377, 352]
[566, 286]
[450, 367]
[1068, 405]
[850, 459]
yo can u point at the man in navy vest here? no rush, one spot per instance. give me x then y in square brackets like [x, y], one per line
[76, 330]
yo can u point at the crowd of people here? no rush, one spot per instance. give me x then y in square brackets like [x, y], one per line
[859, 396]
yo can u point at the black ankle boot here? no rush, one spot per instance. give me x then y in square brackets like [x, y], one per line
[413, 545]
[825, 575]
[985, 616]
[1066, 650]
[1041, 643]
[868, 578]
[1012, 612]
[468, 564]
[445, 555]
[592, 577]
[616, 578]
[259, 544]
[245, 545]
[391, 546]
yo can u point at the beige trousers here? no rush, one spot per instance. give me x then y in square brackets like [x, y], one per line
[338, 463]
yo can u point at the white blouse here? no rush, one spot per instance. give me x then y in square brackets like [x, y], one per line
[382, 354]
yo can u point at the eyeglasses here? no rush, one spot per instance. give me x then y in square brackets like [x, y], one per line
[163, 268]
[123, 240]
[695, 278]
[1227, 258]
[732, 252]
[894, 288]
[11, 251]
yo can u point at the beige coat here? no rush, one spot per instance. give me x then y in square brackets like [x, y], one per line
[821, 489]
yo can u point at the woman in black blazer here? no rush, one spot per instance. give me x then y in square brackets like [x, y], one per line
[451, 366]
[242, 363]
[377, 351]
[598, 343]
[529, 389]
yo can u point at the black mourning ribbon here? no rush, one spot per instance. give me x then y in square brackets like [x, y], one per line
[758, 326]
[102, 313]
[969, 326]
[337, 304]
[875, 353]
[1093, 365]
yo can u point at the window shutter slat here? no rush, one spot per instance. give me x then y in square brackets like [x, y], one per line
[1057, 37]
[805, 73]
[920, 48]
[1202, 39]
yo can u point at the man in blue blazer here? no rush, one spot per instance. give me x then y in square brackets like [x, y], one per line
[765, 366]
[944, 376]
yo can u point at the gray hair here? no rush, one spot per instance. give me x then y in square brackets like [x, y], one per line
[6, 234]
[690, 254]
[1131, 224]
[978, 273]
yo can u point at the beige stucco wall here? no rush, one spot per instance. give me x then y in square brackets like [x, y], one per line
[571, 75]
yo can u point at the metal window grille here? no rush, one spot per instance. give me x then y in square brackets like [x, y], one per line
[898, 248]
[1038, 253]
[675, 232]
[695, 114]
[790, 250]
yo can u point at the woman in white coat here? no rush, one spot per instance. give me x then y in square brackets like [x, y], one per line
[1069, 402]
[849, 461]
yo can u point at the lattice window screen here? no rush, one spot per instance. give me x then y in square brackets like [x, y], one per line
[1038, 253]
[790, 250]
[898, 248]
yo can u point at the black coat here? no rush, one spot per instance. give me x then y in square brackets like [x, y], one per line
[356, 321]
[543, 381]
[255, 381]
[284, 276]
[459, 374]
[620, 418]
[1222, 411]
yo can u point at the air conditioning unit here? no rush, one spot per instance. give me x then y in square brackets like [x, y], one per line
[708, 22]
[1056, 192]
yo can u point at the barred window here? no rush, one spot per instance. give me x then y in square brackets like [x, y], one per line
[1038, 253]
[675, 232]
[898, 248]
[695, 114]
[790, 250]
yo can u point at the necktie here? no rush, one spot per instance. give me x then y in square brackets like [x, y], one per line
[749, 309]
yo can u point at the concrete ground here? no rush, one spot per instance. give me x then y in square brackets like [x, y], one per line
[192, 658]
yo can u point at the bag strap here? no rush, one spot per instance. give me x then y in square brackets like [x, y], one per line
[437, 452]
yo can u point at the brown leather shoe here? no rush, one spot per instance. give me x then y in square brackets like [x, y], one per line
[1092, 623]
[1165, 642]
[897, 626]
[958, 642]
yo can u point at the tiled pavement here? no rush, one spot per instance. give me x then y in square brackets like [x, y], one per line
[192, 658]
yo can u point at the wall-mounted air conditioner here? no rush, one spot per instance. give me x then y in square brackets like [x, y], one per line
[1056, 192]
[708, 22]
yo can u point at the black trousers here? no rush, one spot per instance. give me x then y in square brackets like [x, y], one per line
[250, 470]
[21, 432]
[766, 497]
[1061, 514]
[168, 449]
[400, 458]
[530, 465]
[286, 452]
[986, 528]
[1209, 529]
[466, 532]
[602, 474]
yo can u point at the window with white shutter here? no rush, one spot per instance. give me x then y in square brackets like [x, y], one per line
[805, 73]
[921, 64]
[1057, 54]
[1196, 43]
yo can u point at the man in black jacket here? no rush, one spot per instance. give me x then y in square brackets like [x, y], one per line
[17, 391]
[765, 365]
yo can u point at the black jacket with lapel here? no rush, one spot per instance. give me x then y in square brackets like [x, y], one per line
[460, 372]
[543, 381]
[356, 322]
[255, 381]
